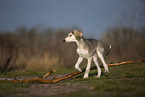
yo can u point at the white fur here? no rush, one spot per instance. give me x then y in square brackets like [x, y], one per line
[78, 63]
[95, 59]
[70, 38]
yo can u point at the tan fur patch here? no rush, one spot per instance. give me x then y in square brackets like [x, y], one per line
[78, 33]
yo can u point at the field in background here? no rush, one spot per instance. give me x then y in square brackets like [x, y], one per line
[127, 43]
[36, 50]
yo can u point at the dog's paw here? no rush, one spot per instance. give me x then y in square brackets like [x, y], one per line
[106, 72]
[98, 76]
[85, 77]
[80, 70]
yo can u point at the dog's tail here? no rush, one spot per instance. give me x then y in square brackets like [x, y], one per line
[108, 51]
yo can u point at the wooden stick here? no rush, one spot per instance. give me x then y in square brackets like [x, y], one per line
[44, 76]
[70, 75]
[127, 62]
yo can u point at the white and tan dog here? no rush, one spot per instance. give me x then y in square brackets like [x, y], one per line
[88, 49]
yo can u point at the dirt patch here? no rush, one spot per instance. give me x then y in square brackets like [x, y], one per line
[62, 88]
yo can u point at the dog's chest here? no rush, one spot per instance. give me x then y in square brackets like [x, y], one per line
[83, 53]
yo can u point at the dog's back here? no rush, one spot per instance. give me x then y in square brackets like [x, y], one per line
[92, 44]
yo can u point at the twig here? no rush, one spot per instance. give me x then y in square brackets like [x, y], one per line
[44, 76]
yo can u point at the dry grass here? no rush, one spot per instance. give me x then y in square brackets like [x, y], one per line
[127, 43]
[35, 50]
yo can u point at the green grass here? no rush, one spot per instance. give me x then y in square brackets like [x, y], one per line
[7, 88]
[123, 81]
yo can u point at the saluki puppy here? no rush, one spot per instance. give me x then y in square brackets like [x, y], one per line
[88, 49]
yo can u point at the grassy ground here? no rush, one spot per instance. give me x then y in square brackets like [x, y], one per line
[126, 80]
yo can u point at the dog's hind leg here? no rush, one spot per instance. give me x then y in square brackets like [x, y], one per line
[100, 55]
[95, 59]
[78, 63]
[88, 68]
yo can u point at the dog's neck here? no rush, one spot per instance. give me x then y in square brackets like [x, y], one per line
[81, 43]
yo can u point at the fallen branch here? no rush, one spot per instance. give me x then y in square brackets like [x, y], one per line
[44, 76]
[42, 80]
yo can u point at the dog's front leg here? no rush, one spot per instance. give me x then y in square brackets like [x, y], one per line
[88, 68]
[78, 63]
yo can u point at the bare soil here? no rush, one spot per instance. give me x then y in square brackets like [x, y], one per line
[62, 88]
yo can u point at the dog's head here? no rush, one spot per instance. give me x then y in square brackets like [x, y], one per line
[73, 36]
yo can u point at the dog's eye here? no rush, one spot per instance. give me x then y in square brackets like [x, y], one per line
[70, 35]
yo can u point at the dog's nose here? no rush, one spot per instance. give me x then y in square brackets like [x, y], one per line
[64, 40]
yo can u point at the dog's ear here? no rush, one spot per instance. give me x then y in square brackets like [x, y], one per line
[78, 33]
[72, 32]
